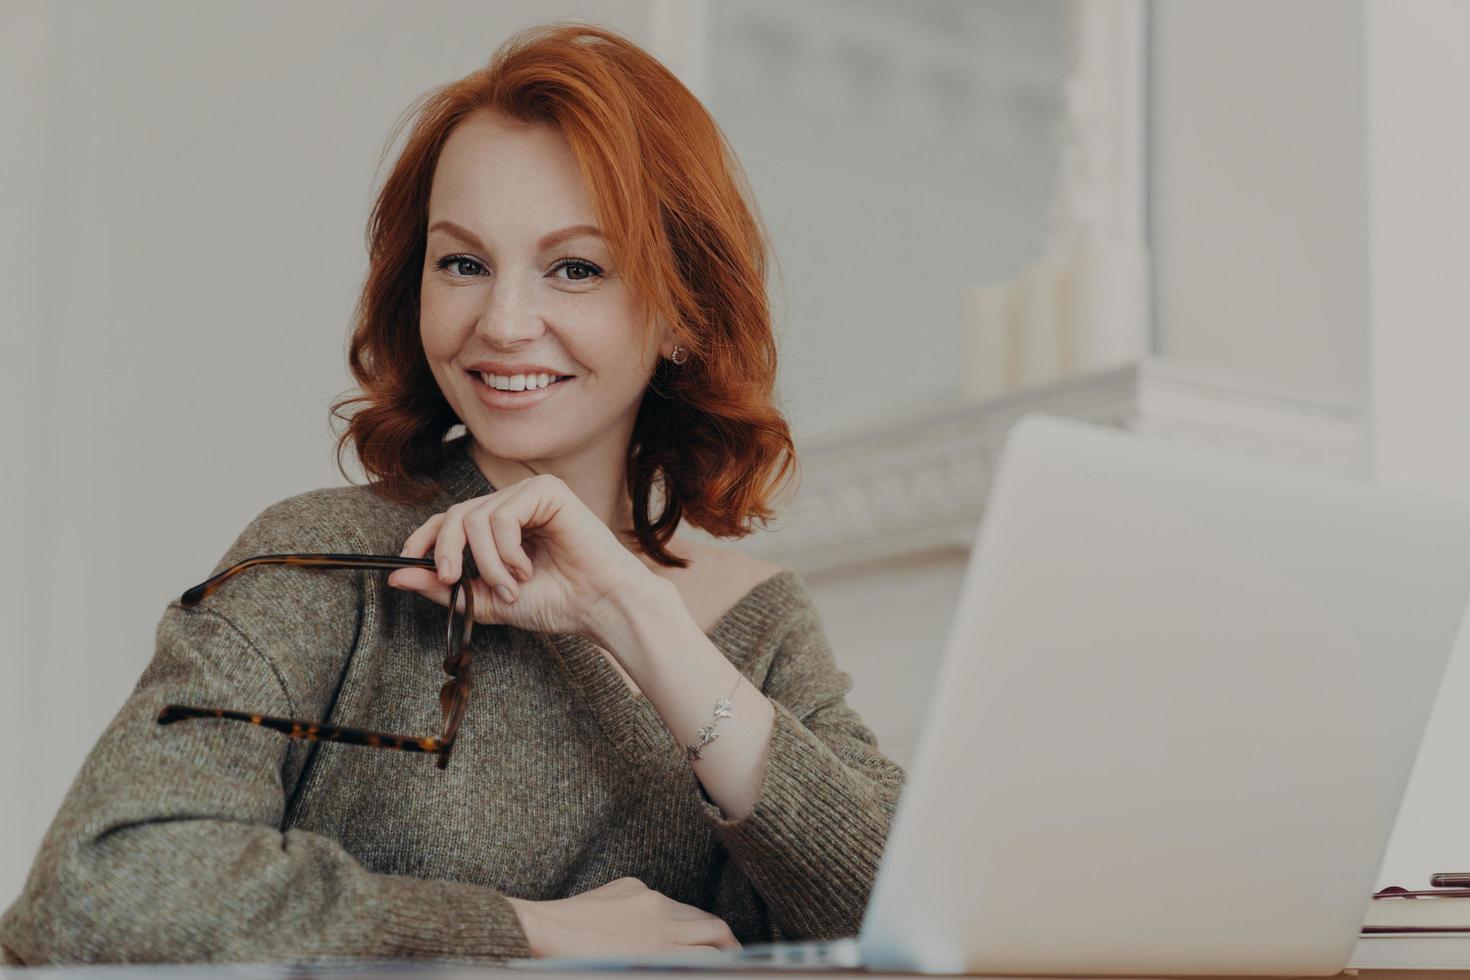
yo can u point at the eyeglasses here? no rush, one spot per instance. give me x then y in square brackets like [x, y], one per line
[454, 696]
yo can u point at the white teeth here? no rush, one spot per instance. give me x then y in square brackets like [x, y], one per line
[517, 382]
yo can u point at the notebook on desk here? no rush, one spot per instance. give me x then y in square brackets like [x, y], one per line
[1177, 711]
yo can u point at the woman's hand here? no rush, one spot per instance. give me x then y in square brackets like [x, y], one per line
[556, 560]
[622, 917]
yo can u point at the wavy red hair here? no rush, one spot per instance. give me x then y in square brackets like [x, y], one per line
[680, 224]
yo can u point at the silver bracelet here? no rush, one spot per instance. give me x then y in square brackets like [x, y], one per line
[708, 733]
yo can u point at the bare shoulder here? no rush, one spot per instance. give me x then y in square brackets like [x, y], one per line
[717, 578]
[741, 571]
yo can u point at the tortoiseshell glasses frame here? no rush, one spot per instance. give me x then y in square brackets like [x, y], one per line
[454, 696]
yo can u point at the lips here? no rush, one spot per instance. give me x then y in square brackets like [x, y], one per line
[495, 398]
[511, 391]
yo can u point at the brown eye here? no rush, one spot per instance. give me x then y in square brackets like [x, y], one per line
[450, 260]
[587, 269]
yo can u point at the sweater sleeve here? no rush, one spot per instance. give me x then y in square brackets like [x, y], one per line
[169, 844]
[810, 846]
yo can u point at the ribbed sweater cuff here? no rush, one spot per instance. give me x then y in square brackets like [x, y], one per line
[812, 842]
[426, 918]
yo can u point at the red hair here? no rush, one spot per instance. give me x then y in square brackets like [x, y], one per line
[674, 207]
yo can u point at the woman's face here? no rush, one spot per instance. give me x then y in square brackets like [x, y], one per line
[501, 285]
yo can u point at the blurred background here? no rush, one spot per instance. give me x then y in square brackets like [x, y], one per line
[1239, 224]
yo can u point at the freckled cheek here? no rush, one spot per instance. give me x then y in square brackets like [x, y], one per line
[441, 330]
[438, 346]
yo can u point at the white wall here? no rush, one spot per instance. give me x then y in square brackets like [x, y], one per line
[1257, 199]
[1419, 213]
[26, 658]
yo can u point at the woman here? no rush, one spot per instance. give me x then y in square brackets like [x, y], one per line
[655, 753]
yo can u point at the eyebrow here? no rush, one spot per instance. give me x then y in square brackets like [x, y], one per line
[547, 240]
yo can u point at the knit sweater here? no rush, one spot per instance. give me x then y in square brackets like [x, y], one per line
[217, 840]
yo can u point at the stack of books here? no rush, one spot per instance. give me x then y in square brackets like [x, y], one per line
[1417, 930]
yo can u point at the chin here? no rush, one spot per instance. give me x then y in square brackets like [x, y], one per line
[516, 443]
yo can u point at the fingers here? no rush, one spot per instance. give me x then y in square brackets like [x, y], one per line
[663, 923]
[491, 527]
[625, 884]
[422, 581]
[487, 555]
[696, 927]
[418, 543]
[494, 586]
[505, 525]
[434, 585]
[419, 580]
[711, 931]
[449, 545]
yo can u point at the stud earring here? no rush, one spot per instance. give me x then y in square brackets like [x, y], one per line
[679, 355]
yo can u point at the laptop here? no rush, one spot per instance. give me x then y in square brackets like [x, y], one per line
[1176, 715]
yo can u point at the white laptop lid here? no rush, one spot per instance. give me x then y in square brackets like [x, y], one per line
[1177, 712]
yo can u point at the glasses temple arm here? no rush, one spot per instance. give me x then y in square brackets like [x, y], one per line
[195, 595]
[306, 729]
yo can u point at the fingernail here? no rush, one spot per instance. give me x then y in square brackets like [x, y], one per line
[442, 565]
[504, 593]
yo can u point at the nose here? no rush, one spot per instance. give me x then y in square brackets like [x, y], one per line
[510, 316]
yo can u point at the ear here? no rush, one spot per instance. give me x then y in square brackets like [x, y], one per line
[666, 338]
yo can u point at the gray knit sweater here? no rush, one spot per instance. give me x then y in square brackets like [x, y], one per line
[216, 840]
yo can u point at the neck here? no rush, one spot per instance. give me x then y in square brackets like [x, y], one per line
[599, 483]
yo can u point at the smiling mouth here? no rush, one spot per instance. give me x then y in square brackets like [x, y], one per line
[475, 376]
